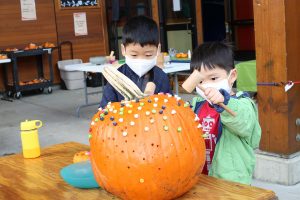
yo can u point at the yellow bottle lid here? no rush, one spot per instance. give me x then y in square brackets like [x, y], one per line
[28, 125]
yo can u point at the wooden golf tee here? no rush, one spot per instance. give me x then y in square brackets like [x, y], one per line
[193, 81]
[111, 53]
[150, 88]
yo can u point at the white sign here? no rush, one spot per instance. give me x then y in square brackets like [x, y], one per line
[80, 25]
[176, 5]
[28, 11]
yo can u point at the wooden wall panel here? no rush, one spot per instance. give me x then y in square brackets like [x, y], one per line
[95, 43]
[17, 33]
[155, 13]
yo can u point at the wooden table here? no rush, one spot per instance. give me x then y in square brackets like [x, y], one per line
[39, 179]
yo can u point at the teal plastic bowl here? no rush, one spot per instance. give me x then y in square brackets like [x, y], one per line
[79, 175]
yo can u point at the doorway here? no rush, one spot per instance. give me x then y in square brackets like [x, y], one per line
[118, 13]
[177, 24]
[240, 28]
[213, 20]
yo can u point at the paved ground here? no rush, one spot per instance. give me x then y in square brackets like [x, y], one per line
[57, 111]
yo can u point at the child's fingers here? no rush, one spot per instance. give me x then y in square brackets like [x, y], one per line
[210, 97]
[208, 92]
[214, 99]
[211, 92]
[218, 98]
[214, 95]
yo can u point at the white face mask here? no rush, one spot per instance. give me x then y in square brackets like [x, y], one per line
[222, 84]
[140, 66]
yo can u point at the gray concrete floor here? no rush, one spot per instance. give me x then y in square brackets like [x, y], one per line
[60, 124]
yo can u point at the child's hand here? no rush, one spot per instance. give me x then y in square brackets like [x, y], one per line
[214, 95]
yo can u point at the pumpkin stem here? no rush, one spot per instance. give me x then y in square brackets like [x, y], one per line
[126, 87]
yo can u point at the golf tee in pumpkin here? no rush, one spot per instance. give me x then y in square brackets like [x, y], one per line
[150, 88]
[150, 148]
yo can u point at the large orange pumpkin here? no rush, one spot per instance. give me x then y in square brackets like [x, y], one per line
[151, 148]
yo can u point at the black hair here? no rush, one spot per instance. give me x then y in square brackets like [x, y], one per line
[141, 30]
[211, 55]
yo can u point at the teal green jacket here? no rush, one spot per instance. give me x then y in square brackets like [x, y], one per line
[234, 157]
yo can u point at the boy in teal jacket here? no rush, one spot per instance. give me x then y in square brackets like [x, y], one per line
[229, 140]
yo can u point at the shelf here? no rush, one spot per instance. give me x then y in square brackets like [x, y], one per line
[243, 22]
[22, 53]
[178, 21]
[29, 86]
[14, 87]
[5, 61]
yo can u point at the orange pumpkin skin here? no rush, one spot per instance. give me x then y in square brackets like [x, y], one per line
[147, 150]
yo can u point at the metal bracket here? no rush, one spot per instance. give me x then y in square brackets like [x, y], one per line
[298, 137]
[298, 134]
[298, 122]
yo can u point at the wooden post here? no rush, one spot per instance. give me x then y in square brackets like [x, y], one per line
[277, 30]
[155, 14]
[104, 29]
[199, 22]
